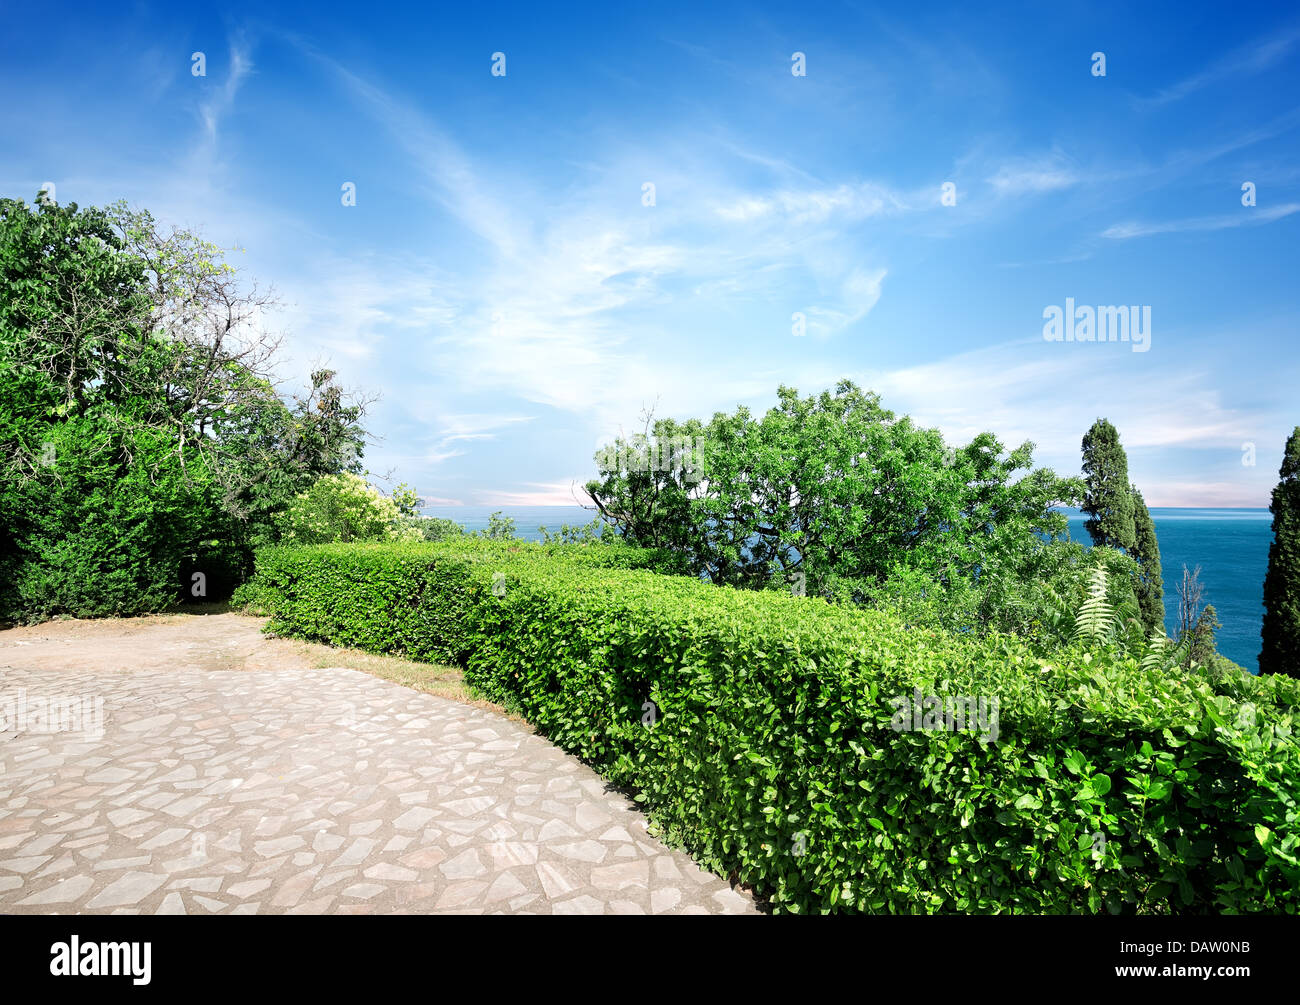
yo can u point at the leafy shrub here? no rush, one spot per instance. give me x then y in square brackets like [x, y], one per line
[773, 753]
[499, 528]
[96, 536]
[430, 528]
[587, 533]
[343, 508]
[831, 485]
[1036, 600]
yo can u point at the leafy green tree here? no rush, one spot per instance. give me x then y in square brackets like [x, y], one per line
[593, 532]
[139, 428]
[416, 526]
[1149, 583]
[653, 505]
[431, 528]
[830, 489]
[1281, 630]
[1204, 652]
[98, 502]
[499, 528]
[275, 452]
[1118, 517]
[1108, 498]
[406, 499]
[343, 508]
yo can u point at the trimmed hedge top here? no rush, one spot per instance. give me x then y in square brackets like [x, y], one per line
[833, 757]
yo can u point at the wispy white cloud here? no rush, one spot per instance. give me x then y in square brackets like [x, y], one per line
[1045, 173]
[539, 494]
[860, 292]
[1255, 57]
[1050, 393]
[558, 312]
[1248, 217]
[216, 107]
[447, 172]
[815, 205]
[454, 428]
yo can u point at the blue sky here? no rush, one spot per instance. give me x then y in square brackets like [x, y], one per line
[502, 284]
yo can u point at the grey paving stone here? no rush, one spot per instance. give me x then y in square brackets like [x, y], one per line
[315, 791]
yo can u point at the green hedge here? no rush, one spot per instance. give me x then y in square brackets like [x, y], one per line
[772, 756]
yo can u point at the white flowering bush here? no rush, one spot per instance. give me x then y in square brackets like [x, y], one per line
[344, 508]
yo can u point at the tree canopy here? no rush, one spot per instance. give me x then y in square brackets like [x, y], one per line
[831, 488]
[1281, 629]
[139, 419]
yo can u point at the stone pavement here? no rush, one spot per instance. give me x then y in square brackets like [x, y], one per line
[308, 791]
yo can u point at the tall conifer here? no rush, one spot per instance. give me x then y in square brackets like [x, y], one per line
[1281, 631]
[1150, 587]
[1108, 497]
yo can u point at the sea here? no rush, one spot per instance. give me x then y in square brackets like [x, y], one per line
[1230, 546]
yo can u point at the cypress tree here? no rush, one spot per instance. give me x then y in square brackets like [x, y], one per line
[1281, 631]
[1150, 587]
[1203, 651]
[1107, 499]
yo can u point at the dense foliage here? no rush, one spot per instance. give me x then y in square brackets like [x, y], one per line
[1150, 584]
[769, 734]
[1281, 631]
[1118, 517]
[1108, 500]
[140, 434]
[344, 508]
[834, 495]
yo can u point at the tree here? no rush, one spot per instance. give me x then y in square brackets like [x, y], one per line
[1196, 627]
[431, 528]
[832, 487]
[1149, 585]
[594, 532]
[1108, 499]
[275, 452]
[407, 500]
[654, 505]
[1203, 651]
[1118, 517]
[1190, 593]
[139, 422]
[344, 508]
[1281, 630]
[98, 500]
[499, 528]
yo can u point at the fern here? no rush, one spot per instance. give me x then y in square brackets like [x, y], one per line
[1180, 655]
[1157, 652]
[1097, 618]
[1161, 653]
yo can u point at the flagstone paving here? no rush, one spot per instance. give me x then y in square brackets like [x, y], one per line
[310, 791]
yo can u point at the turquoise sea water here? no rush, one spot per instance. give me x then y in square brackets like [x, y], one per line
[527, 518]
[1230, 546]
